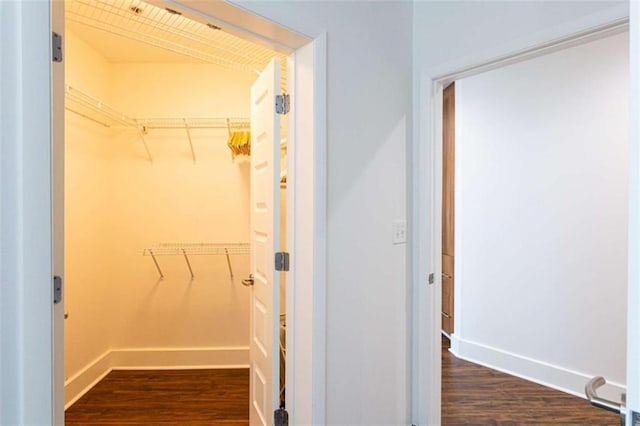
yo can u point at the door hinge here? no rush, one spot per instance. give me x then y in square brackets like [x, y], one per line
[282, 261]
[432, 278]
[57, 289]
[283, 103]
[280, 417]
[56, 47]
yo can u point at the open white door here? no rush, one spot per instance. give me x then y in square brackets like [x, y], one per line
[265, 241]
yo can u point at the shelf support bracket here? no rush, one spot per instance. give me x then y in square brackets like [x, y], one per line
[226, 251]
[155, 261]
[193, 153]
[186, 258]
[141, 132]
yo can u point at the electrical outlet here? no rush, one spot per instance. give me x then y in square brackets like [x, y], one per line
[399, 231]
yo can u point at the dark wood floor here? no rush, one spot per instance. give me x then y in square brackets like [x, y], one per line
[475, 395]
[471, 395]
[165, 397]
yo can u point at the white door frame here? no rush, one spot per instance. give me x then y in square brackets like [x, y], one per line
[633, 302]
[27, 371]
[26, 261]
[427, 204]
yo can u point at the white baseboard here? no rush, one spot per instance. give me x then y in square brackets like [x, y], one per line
[179, 358]
[536, 371]
[151, 359]
[85, 379]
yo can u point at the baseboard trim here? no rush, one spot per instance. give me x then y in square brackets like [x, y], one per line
[179, 358]
[85, 379]
[540, 372]
[152, 359]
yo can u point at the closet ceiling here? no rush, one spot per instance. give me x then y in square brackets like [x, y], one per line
[156, 35]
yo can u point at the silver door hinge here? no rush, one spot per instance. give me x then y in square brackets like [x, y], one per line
[57, 289]
[56, 47]
[280, 417]
[283, 103]
[282, 261]
[432, 278]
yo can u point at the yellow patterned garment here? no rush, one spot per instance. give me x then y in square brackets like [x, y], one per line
[239, 143]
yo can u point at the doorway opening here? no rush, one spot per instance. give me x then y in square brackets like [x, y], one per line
[530, 166]
[161, 249]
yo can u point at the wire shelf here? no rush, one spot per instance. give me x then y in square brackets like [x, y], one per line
[173, 249]
[160, 28]
[238, 123]
[95, 110]
[189, 249]
[99, 112]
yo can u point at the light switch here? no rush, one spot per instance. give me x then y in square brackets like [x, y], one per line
[399, 232]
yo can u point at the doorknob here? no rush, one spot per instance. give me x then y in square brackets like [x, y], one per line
[248, 282]
[597, 401]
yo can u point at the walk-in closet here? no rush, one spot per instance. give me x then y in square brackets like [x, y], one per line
[157, 207]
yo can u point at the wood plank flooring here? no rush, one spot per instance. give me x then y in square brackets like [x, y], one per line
[475, 395]
[472, 395]
[165, 397]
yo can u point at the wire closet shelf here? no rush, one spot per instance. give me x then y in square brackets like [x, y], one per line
[99, 112]
[198, 249]
[167, 29]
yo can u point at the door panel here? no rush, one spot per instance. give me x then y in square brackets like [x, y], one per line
[448, 225]
[265, 239]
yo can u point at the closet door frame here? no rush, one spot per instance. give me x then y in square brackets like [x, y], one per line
[30, 361]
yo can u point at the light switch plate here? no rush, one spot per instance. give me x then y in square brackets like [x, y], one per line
[399, 232]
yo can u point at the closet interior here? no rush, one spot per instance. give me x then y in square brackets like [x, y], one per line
[157, 191]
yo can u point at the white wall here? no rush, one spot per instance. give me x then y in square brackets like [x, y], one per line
[451, 33]
[369, 127]
[541, 215]
[88, 277]
[175, 200]
[448, 36]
